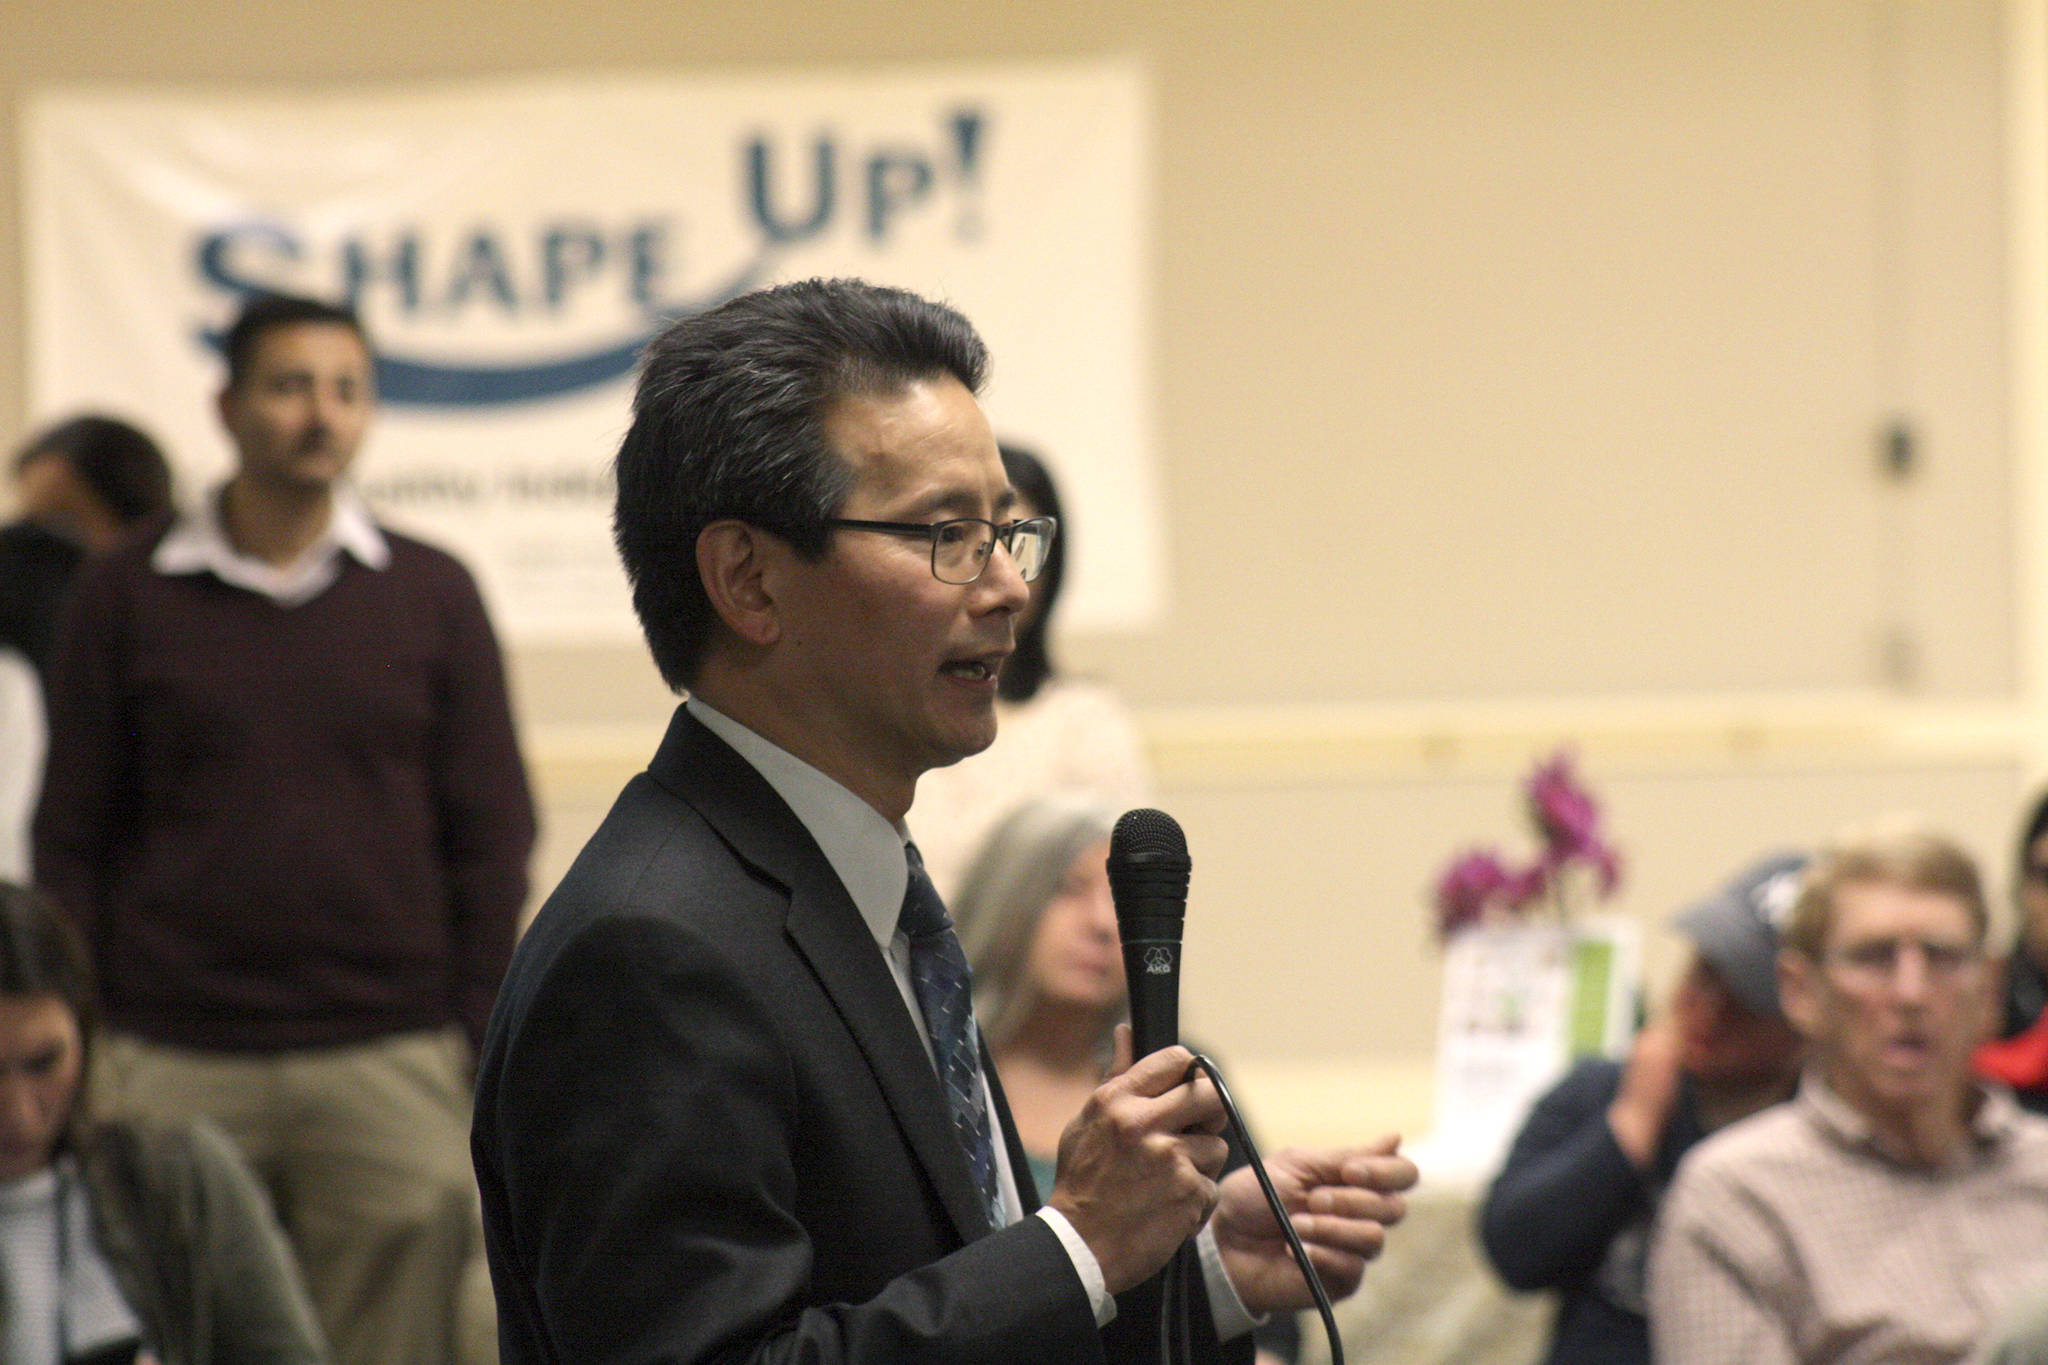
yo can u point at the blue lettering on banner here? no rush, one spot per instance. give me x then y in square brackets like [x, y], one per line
[263, 258]
[401, 268]
[794, 229]
[895, 179]
[224, 255]
[482, 267]
[569, 268]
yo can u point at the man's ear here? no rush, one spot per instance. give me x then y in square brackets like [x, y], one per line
[732, 562]
[1799, 990]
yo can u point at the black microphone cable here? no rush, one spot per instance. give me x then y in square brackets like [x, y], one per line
[1176, 1328]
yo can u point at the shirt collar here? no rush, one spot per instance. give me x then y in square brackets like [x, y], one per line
[863, 848]
[1992, 1122]
[198, 543]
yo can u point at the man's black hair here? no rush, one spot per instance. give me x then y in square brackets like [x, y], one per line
[122, 466]
[728, 422]
[263, 313]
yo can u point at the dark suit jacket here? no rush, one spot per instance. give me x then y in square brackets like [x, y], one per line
[706, 1128]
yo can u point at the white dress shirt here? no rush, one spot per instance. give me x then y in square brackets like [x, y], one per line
[199, 543]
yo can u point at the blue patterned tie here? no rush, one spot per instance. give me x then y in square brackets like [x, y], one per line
[938, 971]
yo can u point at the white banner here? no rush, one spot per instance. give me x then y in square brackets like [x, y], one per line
[510, 246]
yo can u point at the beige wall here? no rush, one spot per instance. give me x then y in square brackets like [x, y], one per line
[1519, 370]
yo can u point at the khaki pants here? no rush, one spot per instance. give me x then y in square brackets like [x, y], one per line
[365, 1152]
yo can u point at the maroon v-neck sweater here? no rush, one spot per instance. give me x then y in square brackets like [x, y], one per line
[285, 826]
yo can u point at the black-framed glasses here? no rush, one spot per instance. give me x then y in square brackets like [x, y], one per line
[961, 547]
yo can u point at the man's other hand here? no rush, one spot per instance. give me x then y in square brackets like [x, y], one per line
[1341, 1204]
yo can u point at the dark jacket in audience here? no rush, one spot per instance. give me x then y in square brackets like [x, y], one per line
[1569, 1212]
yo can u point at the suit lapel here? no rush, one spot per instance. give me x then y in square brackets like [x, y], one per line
[834, 939]
[827, 929]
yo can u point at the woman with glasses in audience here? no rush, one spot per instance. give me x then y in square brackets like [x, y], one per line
[120, 1244]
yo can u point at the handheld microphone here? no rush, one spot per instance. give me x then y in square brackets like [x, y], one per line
[1148, 880]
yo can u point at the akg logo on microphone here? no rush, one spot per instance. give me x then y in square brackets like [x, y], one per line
[1158, 961]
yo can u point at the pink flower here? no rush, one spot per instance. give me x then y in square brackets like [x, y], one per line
[1565, 812]
[1556, 861]
[1471, 883]
[1479, 884]
[1529, 886]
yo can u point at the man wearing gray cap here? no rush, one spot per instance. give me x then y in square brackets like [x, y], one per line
[1572, 1207]
[1896, 1211]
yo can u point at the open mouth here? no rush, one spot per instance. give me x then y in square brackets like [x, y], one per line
[972, 670]
[1908, 1050]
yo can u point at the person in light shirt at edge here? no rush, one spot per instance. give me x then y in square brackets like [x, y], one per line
[1897, 1209]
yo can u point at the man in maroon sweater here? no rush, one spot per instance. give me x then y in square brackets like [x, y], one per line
[285, 803]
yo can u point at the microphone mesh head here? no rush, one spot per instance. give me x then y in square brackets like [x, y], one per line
[1148, 856]
[1148, 834]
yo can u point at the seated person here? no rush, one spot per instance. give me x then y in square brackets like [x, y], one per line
[1573, 1205]
[1038, 925]
[2019, 1055]
[120, 1244]
[1897, 1209]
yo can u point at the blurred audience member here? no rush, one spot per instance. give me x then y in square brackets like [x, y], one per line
[1573, 1206]
[1054, 733]
[1038, 925]
[2019, 1055]
[120, 1243]
[1897, 1209]
[285, 803]
[80, 485]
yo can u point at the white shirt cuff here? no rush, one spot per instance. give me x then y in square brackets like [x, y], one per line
[1226, 1309]
[1085, 1265]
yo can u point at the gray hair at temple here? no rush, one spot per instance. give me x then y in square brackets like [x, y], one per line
[1013, 879]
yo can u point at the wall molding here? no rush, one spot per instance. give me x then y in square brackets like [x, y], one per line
[1260, 745]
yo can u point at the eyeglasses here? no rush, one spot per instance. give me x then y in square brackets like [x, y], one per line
[960, 548]
[1876, 961]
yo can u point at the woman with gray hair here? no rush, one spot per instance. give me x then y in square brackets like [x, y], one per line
[1038, 924]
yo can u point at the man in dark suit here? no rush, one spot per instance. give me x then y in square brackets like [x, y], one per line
[731, 1105]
